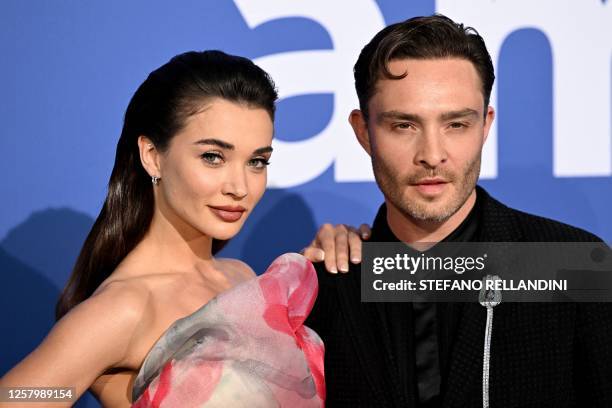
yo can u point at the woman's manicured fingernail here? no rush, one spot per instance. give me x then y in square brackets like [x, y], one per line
[321, 255]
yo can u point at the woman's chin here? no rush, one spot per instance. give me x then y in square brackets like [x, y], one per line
[223, 237]
[224, 234]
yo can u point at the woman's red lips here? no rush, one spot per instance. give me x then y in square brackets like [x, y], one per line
[228, 207]
[228, 213]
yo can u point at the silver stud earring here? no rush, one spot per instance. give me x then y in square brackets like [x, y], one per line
[155, 180]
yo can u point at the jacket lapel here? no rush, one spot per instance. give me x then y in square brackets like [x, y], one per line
[465, 358]
[373, 339]
[398, 322]
[465, 365]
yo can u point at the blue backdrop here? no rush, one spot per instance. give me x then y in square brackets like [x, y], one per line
[68, 69]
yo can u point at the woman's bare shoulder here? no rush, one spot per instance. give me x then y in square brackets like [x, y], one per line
[126, 299]
[109, 319]
[92, 337]
[236, 268]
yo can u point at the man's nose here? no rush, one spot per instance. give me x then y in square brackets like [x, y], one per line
[431, 151]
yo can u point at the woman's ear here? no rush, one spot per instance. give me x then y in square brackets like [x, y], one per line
[149, 156]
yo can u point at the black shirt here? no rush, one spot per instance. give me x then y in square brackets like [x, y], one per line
[427, 314]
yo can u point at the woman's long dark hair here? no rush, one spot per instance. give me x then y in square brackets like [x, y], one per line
[158, 110]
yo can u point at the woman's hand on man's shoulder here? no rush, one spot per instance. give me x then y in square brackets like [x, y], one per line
[336, 244]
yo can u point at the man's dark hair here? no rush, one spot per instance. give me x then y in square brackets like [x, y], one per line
[429, 37]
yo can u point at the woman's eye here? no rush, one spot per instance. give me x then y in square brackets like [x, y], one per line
[212, 158]
[259, 163]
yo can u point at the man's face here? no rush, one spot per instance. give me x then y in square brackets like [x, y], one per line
[425, 135]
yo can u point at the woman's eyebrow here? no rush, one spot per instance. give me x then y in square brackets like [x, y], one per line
[216, 142]
[262, 150]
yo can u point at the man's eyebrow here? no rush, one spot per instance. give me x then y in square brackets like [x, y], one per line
[215, 142]
[397, 115]
[459, 114]
[262, 150]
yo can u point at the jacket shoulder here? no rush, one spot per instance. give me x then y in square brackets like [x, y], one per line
[537, 228]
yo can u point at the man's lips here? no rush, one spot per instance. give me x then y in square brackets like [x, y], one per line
[431, 181]
[431, 186]
[228, 213]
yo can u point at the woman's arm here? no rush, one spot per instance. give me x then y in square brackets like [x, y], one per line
[93, 337]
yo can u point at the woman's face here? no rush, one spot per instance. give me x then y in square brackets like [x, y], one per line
[214, 170]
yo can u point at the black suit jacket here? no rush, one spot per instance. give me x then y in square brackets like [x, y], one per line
[543, 354]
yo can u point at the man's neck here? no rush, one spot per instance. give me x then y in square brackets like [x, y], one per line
[409, 229]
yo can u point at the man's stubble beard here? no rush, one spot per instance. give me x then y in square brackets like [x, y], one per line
[393, 187]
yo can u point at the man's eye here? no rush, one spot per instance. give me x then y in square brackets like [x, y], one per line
[457, 125]
[403, 126]
[259, 163]
[212, 158]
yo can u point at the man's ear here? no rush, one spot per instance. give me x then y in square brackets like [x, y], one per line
[488, 121]
[149, 156]
[360, 127]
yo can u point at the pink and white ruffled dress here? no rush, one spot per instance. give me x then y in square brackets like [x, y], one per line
[247, 347]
